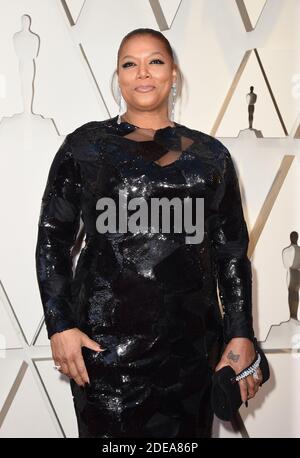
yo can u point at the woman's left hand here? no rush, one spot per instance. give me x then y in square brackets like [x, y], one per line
[240, 353]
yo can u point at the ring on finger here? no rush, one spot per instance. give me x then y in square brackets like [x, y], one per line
[256, 375]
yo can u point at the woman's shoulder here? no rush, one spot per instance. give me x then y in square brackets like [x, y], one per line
[208, 142]
[85, 138]
[88, 129]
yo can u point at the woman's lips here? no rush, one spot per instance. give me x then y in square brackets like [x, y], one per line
[144, 88]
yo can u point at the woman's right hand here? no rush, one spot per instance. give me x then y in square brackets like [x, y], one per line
[66, 352]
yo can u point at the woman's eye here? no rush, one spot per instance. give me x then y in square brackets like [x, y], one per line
[128, 64]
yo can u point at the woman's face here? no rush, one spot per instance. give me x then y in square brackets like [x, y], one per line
[146, 73]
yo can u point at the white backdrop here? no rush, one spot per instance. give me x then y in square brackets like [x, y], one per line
[57, 58]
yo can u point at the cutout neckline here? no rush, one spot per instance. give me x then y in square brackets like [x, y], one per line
[126, 123]
[156, 132]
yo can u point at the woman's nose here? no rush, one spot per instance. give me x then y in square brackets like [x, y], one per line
[143, 71]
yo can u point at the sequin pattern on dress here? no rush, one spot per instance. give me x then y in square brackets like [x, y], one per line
[150, 299]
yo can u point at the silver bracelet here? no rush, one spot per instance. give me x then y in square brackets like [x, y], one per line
[249, 370]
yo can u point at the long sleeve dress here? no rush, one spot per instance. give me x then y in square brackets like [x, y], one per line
[149, 298]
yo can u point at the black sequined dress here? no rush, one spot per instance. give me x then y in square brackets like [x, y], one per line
[149, 298]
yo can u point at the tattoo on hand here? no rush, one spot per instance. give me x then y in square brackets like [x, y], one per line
[232, 356]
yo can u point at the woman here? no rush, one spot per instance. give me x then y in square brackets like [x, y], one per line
[138, 329]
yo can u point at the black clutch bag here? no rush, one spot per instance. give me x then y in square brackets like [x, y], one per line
[225, 395]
